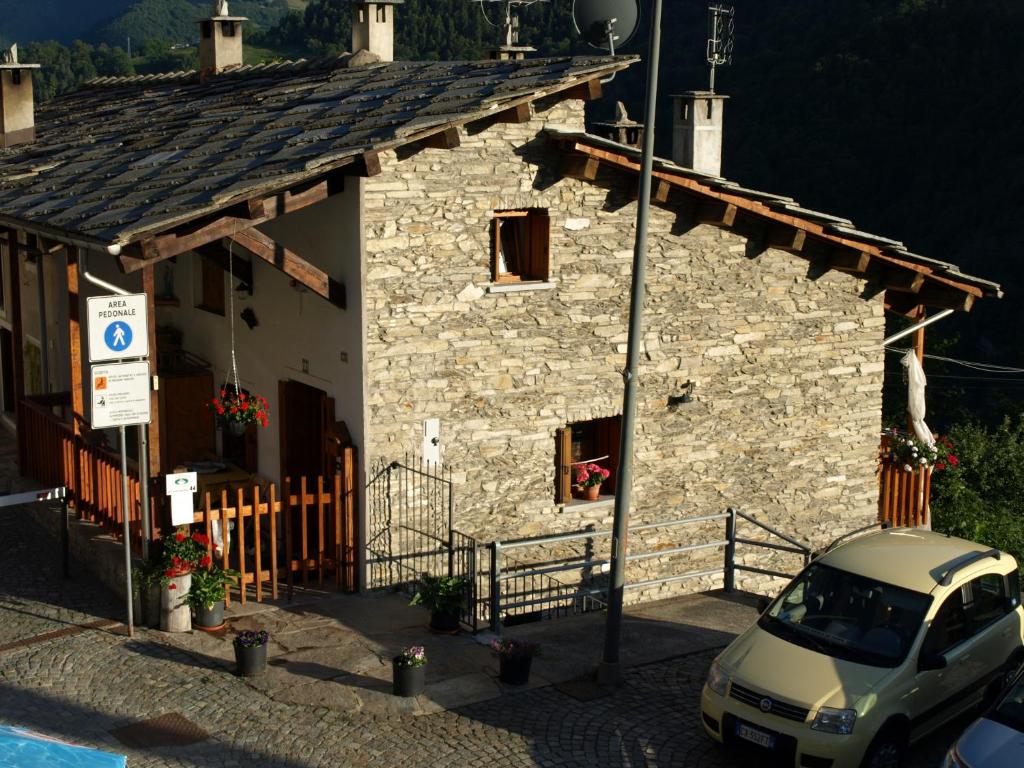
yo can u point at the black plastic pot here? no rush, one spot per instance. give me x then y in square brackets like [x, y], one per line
[251, 661]
[212, 617]
[150, 604]
[407, 681]
[444, 621]
[514, 670]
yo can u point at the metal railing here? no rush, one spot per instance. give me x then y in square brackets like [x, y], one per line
[792, 546]
[519, 590]
[60, 493]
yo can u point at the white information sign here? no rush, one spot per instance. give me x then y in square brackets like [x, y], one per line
[181, 487]
[117, 327]
[120, 395]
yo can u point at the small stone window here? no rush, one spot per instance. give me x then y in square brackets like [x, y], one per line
[586, 442]
[521, 245]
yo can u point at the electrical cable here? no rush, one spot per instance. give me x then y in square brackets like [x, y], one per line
[983, 367]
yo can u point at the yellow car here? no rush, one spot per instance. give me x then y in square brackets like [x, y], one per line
[872, 646]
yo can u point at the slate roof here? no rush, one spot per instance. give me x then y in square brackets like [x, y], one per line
[831, 225]
[126, 156]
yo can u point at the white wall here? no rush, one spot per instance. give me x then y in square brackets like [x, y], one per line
[294, 325]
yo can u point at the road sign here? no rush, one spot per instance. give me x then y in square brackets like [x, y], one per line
[181, 487]
[117, 327]
[120, 395]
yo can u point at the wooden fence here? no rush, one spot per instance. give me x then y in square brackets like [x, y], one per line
[903, 497]
[308, 532]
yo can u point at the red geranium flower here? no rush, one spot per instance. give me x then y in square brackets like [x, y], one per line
[179, 537]
[172, 586]
[205, 562]
[952, 460]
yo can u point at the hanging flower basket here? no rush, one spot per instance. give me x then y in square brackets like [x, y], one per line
[905, 450]
[236, 410]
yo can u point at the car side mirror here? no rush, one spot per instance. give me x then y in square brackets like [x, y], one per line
[762, 603]
[931, 661]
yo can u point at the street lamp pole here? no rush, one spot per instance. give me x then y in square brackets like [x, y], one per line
[610, 672]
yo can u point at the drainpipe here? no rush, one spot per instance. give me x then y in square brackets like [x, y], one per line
[83, 254]
[917, 326]
[43, 340]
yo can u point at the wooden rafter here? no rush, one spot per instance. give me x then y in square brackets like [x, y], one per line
[445, 139]
[576, 167]
[218, 254]
[588, 91]
[291, 264]
[943, 288]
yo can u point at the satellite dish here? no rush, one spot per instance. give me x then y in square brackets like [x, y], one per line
[606, 24]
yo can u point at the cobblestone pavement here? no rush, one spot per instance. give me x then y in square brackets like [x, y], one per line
[87, 682]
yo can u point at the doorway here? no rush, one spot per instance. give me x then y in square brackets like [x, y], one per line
[302, 431]
[7, 372]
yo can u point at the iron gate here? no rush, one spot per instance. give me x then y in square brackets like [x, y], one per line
[409, 508]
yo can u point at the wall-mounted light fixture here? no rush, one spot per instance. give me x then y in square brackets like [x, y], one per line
[685, 396]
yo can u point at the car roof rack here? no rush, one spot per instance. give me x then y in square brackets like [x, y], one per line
[883, 526]
[947, 576]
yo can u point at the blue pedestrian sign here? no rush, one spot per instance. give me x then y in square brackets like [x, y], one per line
[118, 336]
[118, 328]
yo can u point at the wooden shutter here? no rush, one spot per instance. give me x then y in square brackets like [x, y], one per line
[539, 266]
[608, 432]
[563, 465]
[212, 287]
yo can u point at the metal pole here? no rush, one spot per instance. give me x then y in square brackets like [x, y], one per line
[609, 672]
[144, 488]
[730, 551]
[65, 533]
[495, 588]
[127, 534]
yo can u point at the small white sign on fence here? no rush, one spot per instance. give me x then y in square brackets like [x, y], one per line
[120, 395]
[181, 488]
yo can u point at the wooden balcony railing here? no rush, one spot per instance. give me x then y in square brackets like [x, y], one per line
[309, 531]
[903, 496]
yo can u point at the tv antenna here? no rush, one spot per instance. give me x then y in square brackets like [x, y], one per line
[510, 46]
[721, 38]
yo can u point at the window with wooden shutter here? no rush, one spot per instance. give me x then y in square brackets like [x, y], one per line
[521, 245]
[211, 287]
[582, 443]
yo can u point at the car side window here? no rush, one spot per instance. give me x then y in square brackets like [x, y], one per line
[950, 626]
[989, 599]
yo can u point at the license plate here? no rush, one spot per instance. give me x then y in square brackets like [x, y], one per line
[753, 735]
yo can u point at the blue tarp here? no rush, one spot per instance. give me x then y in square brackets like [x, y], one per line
[21, 748]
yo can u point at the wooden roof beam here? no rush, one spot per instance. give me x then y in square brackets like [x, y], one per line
[366, 165]
[520, 113]
[849, 260]
[939, 296]
[901, 280]
[717, 212]
[580, 167]
[217, 253]
[588, 91]
[447, 139]
[785, 238]
[291, 264]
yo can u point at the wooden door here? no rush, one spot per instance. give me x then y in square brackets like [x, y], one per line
[7, 359]
[302, 430]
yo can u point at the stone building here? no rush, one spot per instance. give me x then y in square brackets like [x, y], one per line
[438, 256]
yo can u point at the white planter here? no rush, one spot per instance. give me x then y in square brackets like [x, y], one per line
[175, 615]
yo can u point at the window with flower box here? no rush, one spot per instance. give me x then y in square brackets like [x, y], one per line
[583, 443]
[521, 245]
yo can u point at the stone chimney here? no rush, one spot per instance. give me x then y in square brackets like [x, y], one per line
[373, 27]
[697, 131]
[220, 40]
[623, 129]
[17, 104]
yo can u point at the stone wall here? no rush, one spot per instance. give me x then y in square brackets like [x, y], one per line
[786, 359]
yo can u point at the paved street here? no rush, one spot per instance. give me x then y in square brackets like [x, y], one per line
[82, 684]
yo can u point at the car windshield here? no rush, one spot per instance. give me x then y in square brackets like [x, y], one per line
[1010, 711]
[847, 616]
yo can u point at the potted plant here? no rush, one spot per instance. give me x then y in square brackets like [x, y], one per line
[235, 410]
[589, 478]
[251, 652]
[514, 659]
[408, 671]
[444, 597]
[182, 553]
[206, 595]
[147, 578]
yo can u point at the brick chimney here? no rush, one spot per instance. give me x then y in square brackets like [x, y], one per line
[17, 104]
[373, 27]
[220, 40]
[697, 131]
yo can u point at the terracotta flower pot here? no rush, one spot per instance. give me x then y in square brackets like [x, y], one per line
[175, 615]
[592, 492]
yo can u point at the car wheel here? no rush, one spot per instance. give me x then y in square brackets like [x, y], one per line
[886, 751]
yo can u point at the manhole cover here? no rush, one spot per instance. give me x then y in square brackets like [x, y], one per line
[170, 730]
